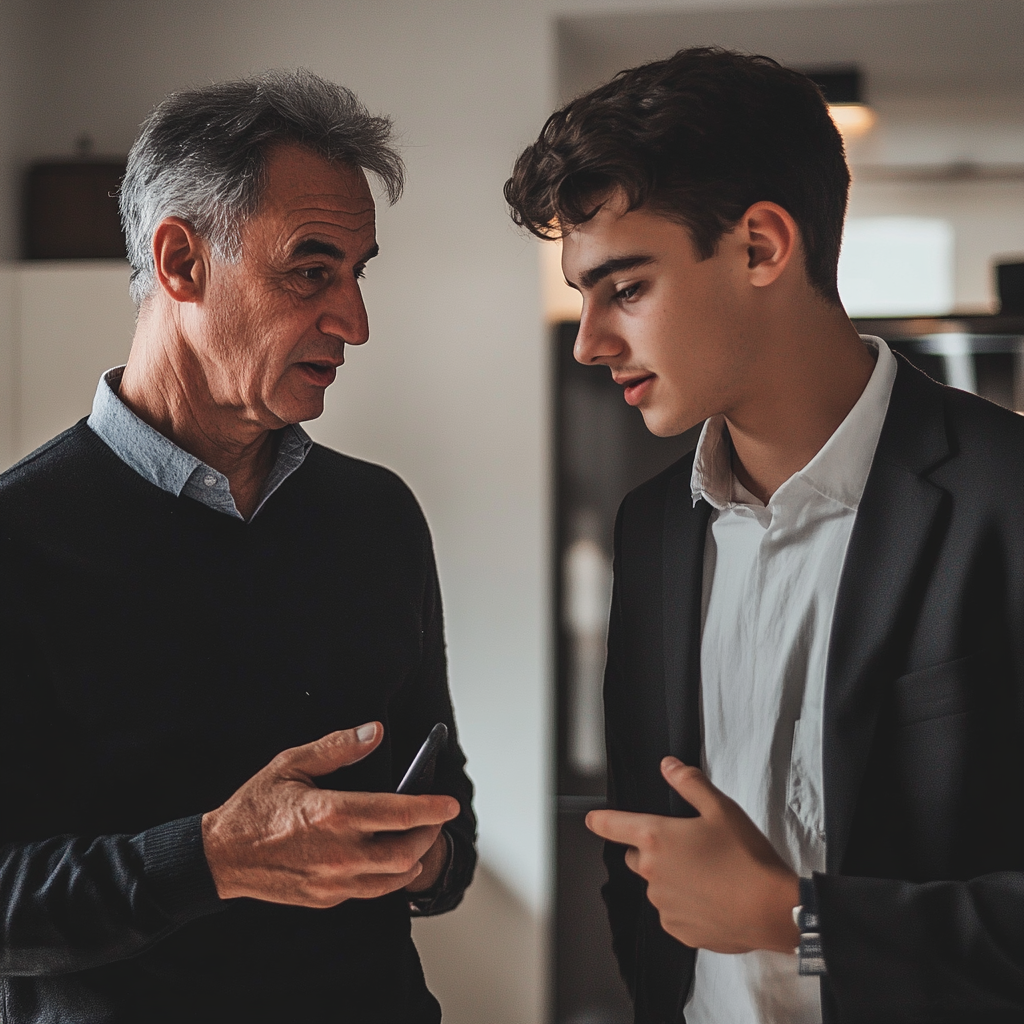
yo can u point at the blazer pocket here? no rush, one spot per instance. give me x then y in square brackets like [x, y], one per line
[935, 692]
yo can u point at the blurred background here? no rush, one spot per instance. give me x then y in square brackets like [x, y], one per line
[467, 388]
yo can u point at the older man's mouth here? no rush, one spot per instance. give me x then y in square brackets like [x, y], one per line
[320, 374]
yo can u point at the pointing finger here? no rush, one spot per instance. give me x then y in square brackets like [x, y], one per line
[624, 827]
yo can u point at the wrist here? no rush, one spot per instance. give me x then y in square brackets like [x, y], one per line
[214, 850]
[783, 933]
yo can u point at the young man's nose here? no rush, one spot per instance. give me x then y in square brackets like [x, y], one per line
[594, 342]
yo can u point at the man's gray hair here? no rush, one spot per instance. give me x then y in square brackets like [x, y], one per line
[201, 156]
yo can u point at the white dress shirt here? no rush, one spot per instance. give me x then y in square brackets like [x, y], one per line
[771, 574]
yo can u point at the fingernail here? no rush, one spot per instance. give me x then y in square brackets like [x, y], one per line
[365, 733]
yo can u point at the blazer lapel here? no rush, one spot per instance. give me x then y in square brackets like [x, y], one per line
[685, 528]
[899, 516]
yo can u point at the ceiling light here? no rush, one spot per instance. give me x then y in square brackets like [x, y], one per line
[852, 119]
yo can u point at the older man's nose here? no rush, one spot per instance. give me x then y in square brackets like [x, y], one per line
[345, 318]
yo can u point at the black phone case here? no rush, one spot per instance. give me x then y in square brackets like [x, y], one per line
[419, 779]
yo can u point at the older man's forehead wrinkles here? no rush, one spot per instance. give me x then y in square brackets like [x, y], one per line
[326, 231]
[313, 221]
[345, 205]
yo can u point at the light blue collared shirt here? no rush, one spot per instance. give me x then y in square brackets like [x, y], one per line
[172, 469]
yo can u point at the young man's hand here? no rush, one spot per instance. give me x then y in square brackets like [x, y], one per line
[715, 880]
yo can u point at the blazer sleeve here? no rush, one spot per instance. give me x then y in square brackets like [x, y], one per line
[942, 951]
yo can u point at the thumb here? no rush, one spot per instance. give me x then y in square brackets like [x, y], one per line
[690, 783]
[333, 751]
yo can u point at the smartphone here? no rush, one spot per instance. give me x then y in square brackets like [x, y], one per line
[420, 776]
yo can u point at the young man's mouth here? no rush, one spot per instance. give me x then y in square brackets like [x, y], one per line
[635, 388]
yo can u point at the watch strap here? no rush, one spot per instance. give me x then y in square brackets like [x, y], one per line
[810, 955]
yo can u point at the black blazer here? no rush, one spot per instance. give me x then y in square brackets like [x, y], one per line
[922, 902]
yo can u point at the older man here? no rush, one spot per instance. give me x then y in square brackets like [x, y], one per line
[223, 643]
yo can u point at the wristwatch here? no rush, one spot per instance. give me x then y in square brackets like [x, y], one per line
[810, 956]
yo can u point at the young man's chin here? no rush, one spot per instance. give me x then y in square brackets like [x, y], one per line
[663, 423]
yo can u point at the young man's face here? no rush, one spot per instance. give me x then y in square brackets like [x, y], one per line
[674, 330]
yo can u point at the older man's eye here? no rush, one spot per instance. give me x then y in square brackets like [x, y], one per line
[313, 273]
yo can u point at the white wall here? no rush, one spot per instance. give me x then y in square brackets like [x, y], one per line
[17, 32]
[73, 321]
[15, 87]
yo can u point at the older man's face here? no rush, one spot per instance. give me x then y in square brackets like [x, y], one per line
[277, 321]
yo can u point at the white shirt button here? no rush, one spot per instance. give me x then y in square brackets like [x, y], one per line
[209, 480]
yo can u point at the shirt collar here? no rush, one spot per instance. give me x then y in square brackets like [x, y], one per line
[838, 471]
[160, 461]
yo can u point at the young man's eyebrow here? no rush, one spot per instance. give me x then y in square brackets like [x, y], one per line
[590, 277]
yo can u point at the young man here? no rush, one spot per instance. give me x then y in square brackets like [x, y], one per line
[819, 615]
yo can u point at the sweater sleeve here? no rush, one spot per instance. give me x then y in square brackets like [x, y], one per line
[425, 702]
[70, 903]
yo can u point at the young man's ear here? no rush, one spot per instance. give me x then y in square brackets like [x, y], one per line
[181, 259]
[772, 238]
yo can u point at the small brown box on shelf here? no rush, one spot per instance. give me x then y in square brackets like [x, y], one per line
[71, 210]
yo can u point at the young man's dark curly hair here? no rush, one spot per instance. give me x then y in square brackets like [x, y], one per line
[699, 137]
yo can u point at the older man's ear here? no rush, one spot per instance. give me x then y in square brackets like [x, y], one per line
[181, 259]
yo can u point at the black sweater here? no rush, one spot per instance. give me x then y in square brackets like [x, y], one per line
[156, 654]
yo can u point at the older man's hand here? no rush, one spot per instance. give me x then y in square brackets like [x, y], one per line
[279, 838]
[715, 880]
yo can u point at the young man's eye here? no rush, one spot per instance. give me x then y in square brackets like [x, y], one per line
[629, 292]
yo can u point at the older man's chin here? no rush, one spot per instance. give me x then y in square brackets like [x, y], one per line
[299, 400]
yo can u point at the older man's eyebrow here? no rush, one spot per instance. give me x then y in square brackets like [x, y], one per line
[612, 266]
[318, 247]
